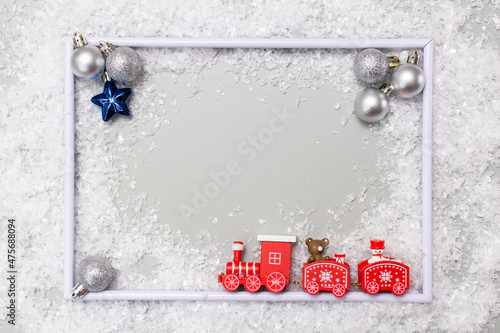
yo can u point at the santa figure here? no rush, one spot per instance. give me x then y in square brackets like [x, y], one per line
[377, 246]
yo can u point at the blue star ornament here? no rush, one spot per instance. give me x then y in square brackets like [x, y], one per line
[113, 101]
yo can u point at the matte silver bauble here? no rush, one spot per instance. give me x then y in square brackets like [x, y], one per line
[124, 64]
[371, 66]
[87, 62]
[93, 274]
[408, 80]
[371, 104]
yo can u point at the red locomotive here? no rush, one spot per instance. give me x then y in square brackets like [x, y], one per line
[383, 273]
[273, 270]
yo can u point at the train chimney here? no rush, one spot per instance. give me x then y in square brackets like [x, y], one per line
[238, 247]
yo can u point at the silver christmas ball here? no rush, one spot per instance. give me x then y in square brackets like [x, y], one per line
[124, 64]
[371, 104]
[371, 66]
[408, 80]
[87, 62]
[95, 273]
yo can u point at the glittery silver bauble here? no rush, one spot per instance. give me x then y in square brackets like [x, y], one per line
[87, 62]
[371, 66]
[371, 104]
[93, 274]
[408, 80]
[124, 64]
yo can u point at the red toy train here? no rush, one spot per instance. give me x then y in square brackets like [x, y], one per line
[320, 273]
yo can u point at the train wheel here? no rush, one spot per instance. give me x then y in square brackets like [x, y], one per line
[372, 288]
[252, 283]
[312, 288]
[398, 289]
[338, 290]
[275, 282]
[230, 282]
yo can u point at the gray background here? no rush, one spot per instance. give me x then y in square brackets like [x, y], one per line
[309, 165]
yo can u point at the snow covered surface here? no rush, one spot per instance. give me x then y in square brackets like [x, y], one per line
[466, 173]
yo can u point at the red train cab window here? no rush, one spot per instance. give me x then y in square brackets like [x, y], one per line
[274, 258]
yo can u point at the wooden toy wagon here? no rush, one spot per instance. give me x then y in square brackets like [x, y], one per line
[383, 273]
[330, 275]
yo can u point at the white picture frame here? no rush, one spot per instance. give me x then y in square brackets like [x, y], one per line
[425, 296]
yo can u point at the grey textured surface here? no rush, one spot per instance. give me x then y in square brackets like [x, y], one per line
[310, 162]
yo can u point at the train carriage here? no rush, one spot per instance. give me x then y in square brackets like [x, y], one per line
[330, 275]
[384, 275]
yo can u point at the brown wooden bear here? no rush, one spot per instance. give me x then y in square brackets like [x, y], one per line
[316, 248]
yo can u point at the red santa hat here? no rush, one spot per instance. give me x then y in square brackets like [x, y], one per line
[377, 244]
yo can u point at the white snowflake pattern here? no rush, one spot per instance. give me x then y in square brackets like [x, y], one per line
[325, 276]
[385, 276]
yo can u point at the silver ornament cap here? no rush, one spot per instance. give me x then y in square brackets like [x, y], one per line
[93, 274]
[124, 64]
[371, 66]
[79, 40]
[106, 48]
[371, 104]
[408, 80]
[86, 60]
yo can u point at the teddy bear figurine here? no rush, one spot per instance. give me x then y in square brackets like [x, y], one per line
[316, 248]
